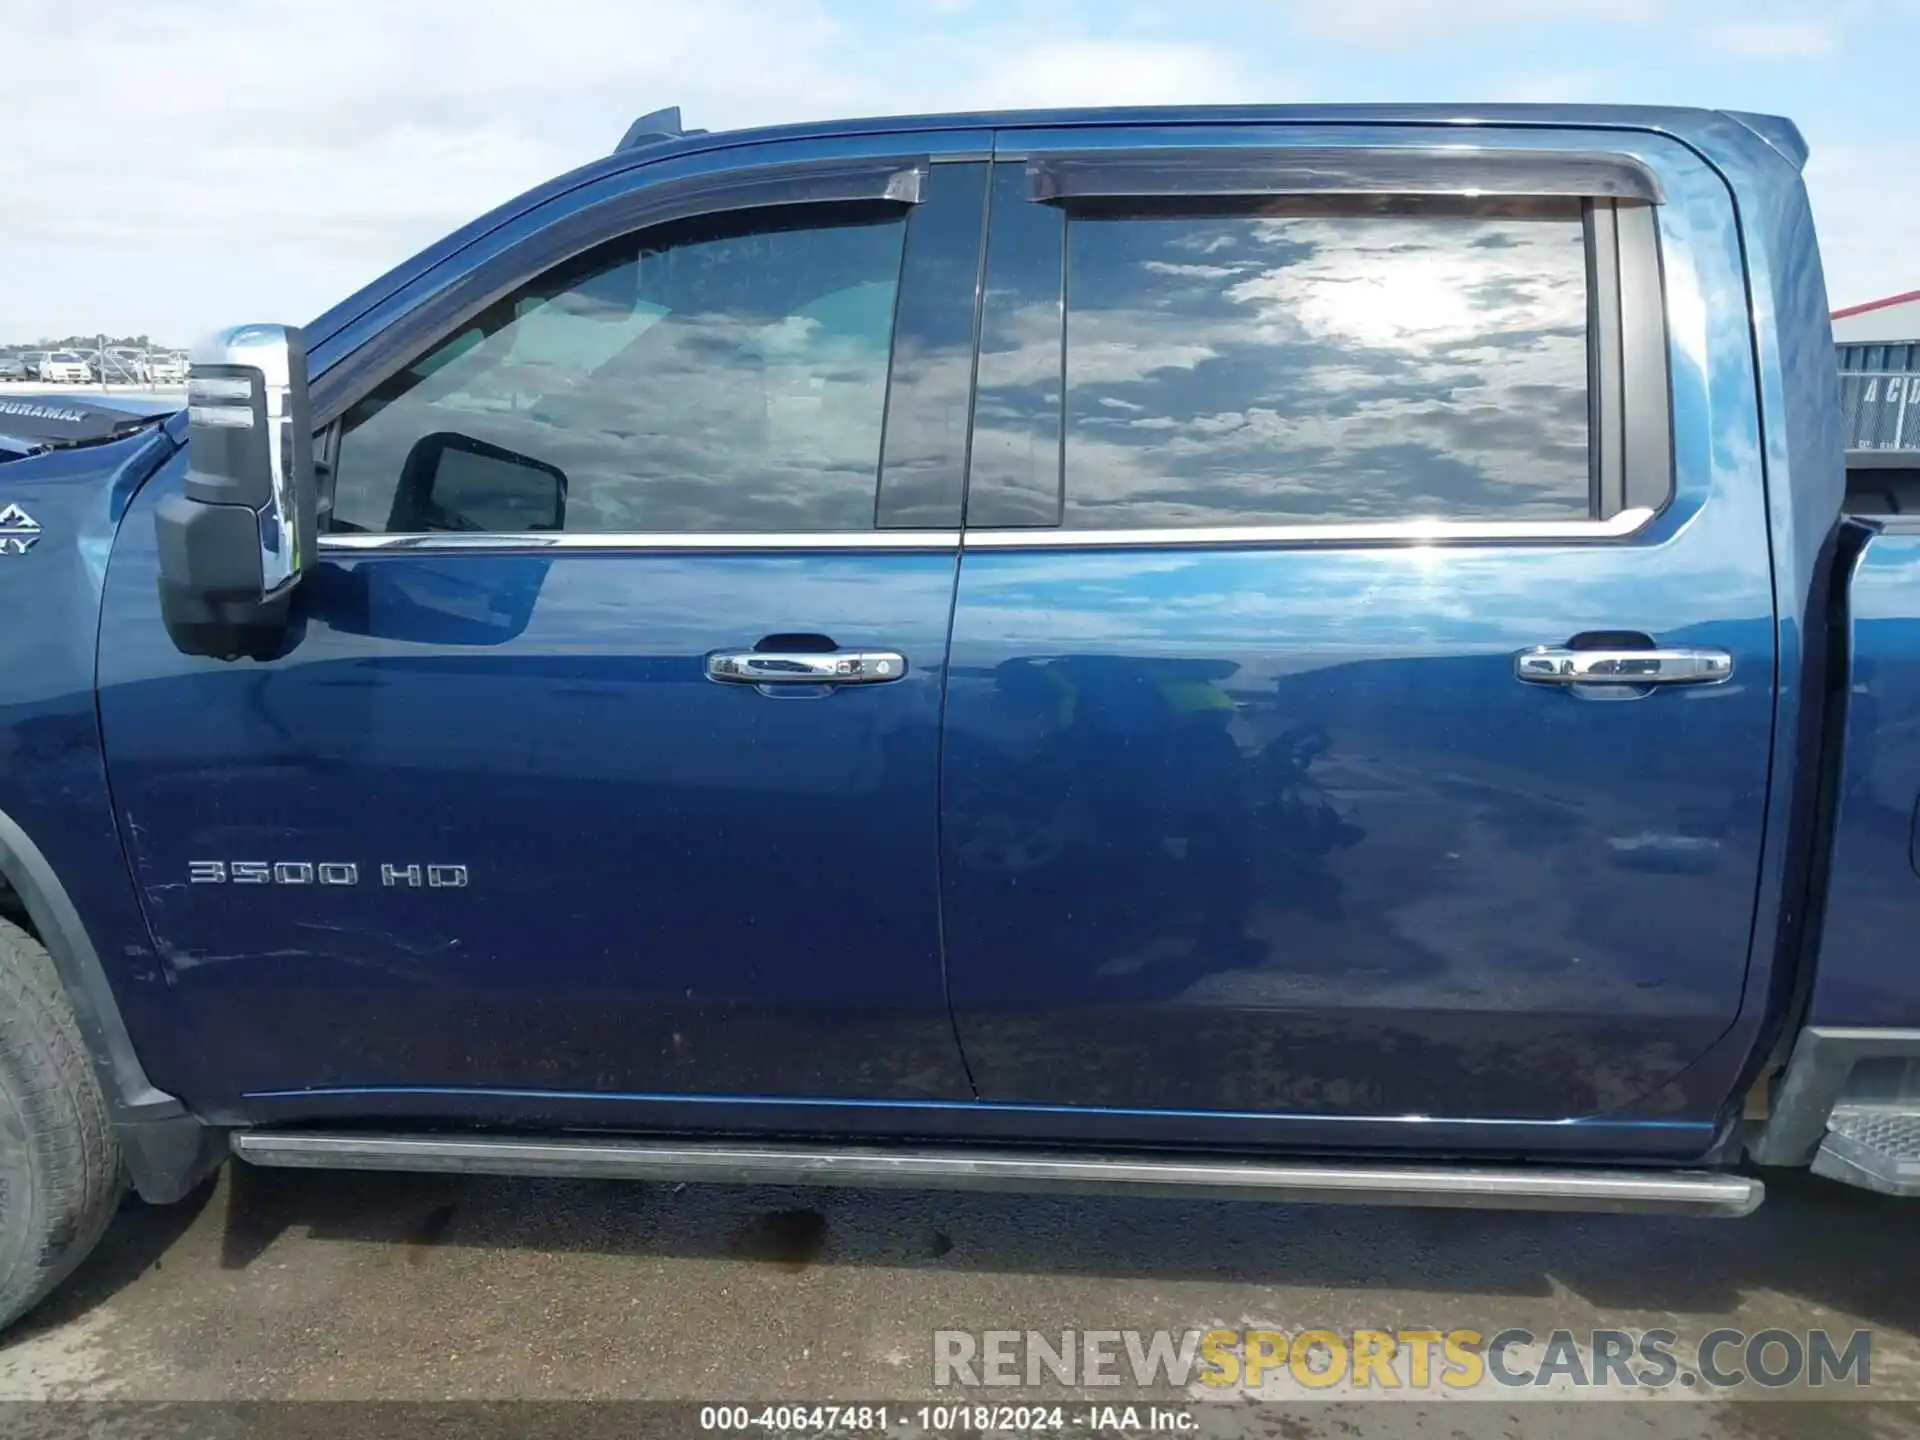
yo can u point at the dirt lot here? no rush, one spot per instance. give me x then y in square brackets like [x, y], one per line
[293, 1285]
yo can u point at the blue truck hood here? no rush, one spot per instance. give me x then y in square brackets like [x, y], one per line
[30, 424]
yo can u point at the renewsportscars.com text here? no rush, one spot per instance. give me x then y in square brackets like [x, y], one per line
[1384, 1362]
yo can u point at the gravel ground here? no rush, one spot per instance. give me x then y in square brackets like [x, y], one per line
[288, 1285]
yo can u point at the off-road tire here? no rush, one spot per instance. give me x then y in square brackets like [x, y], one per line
[60, 1175]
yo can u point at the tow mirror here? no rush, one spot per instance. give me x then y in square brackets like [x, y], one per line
[235, 542]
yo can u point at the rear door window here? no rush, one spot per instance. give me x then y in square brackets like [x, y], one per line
[1173, 363]
[1311, 363]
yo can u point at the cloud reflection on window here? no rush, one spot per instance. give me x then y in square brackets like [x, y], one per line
[732, 382]
[1295, 366]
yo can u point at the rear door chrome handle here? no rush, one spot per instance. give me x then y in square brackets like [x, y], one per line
[806, 667]
[1676, 665]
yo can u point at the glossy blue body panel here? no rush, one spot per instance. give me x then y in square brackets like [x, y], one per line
[671, 884]
[1803, 463]
[1482, 918]
[1383, 878]
[1372, 874]
[1868, 969]
[53, 780]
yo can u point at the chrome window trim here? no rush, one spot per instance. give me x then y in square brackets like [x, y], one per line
[1413, 532]
[457, 542]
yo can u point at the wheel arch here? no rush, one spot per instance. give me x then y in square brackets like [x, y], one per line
[166, 1148]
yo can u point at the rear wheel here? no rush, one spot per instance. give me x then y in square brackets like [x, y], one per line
[60, 1176]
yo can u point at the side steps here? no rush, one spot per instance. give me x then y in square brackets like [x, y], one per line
[1849, 1106]
[1876, 1147]
[1673, 1192]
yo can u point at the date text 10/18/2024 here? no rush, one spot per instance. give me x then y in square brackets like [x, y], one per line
[961, 1418]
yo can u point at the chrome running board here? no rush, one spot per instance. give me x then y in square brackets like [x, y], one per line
[1674, 1192]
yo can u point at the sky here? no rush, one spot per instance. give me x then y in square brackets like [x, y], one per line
[171, 166]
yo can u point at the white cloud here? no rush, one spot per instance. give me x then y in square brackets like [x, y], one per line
[1867, 217]
[1551, 89]
[325, 142]
[1402, 24]
[1117, 72]
[263, 158]
[300, 149]
[1774, 39]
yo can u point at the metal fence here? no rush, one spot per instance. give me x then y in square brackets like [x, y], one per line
[1880, 393]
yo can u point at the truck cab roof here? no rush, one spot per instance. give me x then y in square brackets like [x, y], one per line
[662, 128]
[659, 135]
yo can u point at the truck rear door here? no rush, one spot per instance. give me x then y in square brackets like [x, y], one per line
[1362, 667]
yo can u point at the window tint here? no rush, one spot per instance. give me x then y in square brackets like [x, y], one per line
[703, 377]
[1293, 361]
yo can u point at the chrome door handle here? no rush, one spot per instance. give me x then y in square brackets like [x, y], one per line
[806, 667]
[1682, 665]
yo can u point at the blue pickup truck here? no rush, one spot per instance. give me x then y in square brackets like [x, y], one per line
[1305, 654]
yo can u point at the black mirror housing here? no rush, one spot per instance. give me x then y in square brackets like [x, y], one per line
[452, 481]
[236, 540]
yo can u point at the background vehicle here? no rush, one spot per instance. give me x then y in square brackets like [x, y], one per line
[1267, 652]
[64, 367]
[12, 367]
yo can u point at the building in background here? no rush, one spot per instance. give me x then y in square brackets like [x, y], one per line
[1895, 319]
[1879, 345]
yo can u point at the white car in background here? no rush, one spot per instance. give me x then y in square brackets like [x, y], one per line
[167, 369]
[64, 367]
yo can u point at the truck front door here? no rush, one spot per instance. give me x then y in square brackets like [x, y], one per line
[602, 763]
[1252, 807]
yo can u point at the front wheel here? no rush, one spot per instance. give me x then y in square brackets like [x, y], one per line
[60, 1176]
